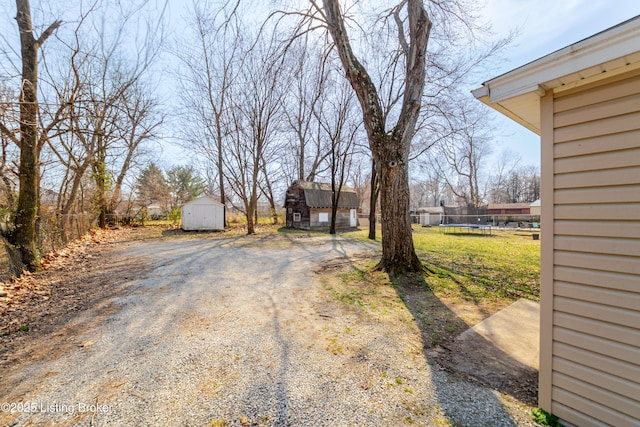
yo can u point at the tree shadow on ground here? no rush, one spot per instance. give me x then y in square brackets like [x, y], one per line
[472, 357]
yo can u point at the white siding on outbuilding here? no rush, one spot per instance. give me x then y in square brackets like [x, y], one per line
[204, 213]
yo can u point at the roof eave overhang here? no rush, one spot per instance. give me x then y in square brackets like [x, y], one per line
[516, 94]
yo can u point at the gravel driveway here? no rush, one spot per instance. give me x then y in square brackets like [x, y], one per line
[241, 332]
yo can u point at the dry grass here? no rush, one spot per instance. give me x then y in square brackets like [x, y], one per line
[471, 277]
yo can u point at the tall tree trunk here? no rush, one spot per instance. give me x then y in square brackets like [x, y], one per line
[24, 239]
[373, 200]
[220, 165]
[301, 159]
[398, 252]
[100, 178]
[268, 192]
[390, 148]
[255, 215]
[251, 212]
[335, 197]
[334, 194]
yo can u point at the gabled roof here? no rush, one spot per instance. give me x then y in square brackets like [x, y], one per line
[516, 94]
[318, 195]
[204, 200]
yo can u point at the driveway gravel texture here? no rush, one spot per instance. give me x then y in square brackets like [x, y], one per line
[241, 331]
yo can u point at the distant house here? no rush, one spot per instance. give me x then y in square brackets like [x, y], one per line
[430, 215]
[584, 102]
[535, 208]
[204, 213]
[49, 198]
[154, 211]
[508, 209]
[308, 206]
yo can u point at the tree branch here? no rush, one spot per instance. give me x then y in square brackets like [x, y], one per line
[50, 30]
[9, 134]
[401, 37]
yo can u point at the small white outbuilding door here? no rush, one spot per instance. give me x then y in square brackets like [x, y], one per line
[204, 213]
[353, 218]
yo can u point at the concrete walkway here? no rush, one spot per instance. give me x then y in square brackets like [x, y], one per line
[501, 352]
[515, 330]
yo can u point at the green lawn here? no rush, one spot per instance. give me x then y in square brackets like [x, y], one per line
[504, 265]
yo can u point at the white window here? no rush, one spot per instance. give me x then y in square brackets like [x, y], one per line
[296, 217]
[323, 217]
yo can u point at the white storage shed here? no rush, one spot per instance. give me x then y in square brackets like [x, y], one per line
[204, 213]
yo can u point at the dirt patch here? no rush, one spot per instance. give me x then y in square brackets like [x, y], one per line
[235, 331]
[477, 361]
[83, 275]
[440, 319]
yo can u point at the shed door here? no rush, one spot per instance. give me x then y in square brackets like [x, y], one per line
[353, 218]
[205, 217]
[202, 216]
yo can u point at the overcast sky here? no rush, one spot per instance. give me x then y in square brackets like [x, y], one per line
[546, 26]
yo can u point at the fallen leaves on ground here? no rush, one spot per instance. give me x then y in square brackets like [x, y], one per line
[73, 278]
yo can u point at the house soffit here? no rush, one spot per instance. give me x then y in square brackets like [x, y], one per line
[516, 94]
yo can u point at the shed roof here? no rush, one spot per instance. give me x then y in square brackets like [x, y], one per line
[516, 94]
[318, 195]
[430, 209]
[204, 200]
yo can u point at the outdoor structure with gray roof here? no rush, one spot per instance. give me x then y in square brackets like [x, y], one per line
[308, 205]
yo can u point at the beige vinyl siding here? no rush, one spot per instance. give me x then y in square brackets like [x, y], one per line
[595, 337]
[597, 179]
[614, 367]
[603, 229]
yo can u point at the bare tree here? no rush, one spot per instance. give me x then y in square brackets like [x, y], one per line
[257, 106]
[9, 154]
[506, 163]
[98, 124]
[266, 188]
[113, 112]
[513, 182]
[435, 188]
[211, 66]
[465, 153]
[72, 153]
[309, 76]
[390, 146]
[360, 177]
[340, 127]
[140, 120]
[22, 241]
